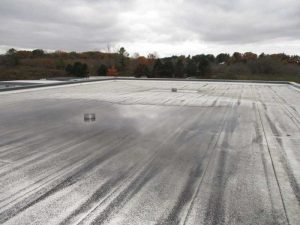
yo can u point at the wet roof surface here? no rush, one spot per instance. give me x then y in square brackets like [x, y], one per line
[210, 153]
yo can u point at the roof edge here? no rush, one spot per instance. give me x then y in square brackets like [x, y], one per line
[294, 84]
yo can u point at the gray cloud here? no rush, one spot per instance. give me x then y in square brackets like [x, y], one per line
[165, 26]
[243, 22]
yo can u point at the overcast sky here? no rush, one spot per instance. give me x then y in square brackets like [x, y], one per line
[168, 27]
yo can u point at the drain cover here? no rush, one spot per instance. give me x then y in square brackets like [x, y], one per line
[88, 117]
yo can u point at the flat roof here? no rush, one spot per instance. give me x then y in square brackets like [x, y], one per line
[210, 153]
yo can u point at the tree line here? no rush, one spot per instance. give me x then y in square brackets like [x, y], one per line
[222, 66]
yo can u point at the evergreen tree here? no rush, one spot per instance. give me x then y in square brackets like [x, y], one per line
[157, 68]
[141, 70]
[78, 69]
[102, 70]
[179, 68]
[191, 68]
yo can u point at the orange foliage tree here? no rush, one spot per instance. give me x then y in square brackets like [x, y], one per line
[112, 71]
